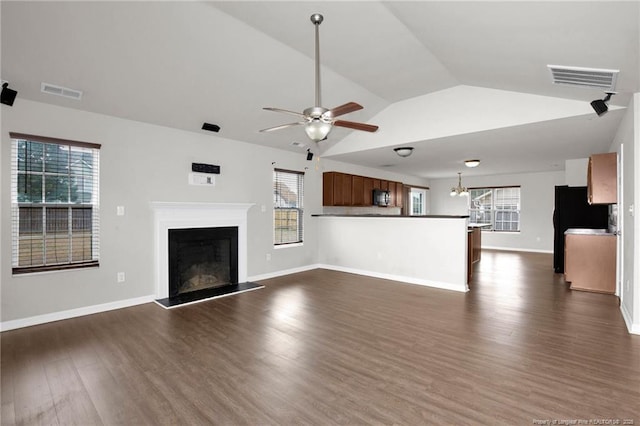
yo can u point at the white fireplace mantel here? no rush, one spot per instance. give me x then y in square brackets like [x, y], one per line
[179, 215]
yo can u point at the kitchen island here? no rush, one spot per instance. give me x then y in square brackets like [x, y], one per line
[426, 250]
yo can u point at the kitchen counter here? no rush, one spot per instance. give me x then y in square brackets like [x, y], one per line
[395, 216]
[586, 231]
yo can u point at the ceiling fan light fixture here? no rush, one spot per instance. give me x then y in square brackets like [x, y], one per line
[317, 129]
[404, 151]
[472, 163]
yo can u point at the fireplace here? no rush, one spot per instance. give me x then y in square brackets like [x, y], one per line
[202, 258]
[219, 270]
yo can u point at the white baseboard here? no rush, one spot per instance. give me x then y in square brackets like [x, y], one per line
[72, 313]
[517, 249]
[409, 280]
[633, 328]
[276, 274]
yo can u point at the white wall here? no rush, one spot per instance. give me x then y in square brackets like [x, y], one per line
[536, 218]
[628, 135]
[576, 172]
[426, 251]
[141, 163]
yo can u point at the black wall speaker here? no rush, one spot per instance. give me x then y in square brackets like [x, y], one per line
[599, 106]
[211, 127]
[8, 96]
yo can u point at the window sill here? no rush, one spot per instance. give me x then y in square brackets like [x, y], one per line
[21, 271]
[283, 246]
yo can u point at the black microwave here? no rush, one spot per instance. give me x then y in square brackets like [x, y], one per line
[381, 198]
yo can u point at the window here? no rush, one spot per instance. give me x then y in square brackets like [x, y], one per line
[288, 189]
[54, 203]
[417, 201]
[497, 207]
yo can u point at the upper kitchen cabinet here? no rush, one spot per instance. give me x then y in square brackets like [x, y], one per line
[602, 177]
[343, 189]
[357, 190]
[336, 189]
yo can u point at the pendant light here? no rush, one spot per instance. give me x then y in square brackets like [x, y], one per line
[459, 190]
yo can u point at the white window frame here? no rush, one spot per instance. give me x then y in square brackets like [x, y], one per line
[55, 207]
[493, 211]
[288, 200]
[423, 192]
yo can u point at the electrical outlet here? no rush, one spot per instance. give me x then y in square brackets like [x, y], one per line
[120, 277]
[120, 210]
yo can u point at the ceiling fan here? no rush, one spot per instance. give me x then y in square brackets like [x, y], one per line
[319, 121]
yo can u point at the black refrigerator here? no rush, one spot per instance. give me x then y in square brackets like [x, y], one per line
[572, 210]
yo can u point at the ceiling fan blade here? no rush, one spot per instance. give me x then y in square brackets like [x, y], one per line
[283, 126]
[344, 109]
[286, 111]
[355, 126]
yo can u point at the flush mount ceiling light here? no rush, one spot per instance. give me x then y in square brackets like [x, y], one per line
[472, 163]
[600, 105]
[459, 190]
[404, 151]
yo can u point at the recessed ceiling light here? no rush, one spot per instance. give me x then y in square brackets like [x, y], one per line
[472, 163]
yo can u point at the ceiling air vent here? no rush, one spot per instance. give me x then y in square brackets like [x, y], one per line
[584, 77]
[65, 92]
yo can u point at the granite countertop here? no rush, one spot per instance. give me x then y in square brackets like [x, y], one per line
[431, 216]
[586, 231]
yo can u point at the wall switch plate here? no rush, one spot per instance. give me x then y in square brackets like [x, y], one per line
[120, 277]
[120, 210]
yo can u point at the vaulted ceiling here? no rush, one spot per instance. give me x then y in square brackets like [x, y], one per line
[454, 80]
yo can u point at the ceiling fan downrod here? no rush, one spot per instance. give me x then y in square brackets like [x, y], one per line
[317, 19]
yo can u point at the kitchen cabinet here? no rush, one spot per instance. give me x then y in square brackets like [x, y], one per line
[368, 191]
[343, 189]
[327, 188]
[336, 189]
[357, 191]
[602, 179]
[399, 193]
[590, 260]
[474, 249]
[392, 193]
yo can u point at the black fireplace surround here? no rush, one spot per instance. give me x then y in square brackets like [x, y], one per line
[202, 258]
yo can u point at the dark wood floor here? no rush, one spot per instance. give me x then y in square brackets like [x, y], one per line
[324, 347]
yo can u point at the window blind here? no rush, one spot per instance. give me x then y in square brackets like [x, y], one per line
[288, 195]
[54, 203]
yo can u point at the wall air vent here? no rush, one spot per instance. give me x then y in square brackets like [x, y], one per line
[584, 77]
[65, 92]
